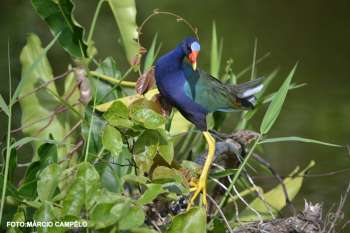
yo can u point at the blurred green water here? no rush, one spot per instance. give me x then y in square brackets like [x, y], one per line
[316, 33]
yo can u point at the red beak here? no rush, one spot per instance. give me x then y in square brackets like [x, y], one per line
[193, 59]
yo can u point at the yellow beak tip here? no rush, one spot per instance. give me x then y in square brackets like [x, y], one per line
[194, 66]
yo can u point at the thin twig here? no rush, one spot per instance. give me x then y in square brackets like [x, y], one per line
[178, 19]
[239, 196]
[246, 203]
[338, 214]
[42, 119]
[75, 148]
[156, 227]
[41, 86]
[72, 130]
[66, 98]
[221, 213]
[331, 173]
[278, 177]
[260, 196]
[44, 85]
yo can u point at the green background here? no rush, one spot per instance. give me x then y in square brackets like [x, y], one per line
[316, 33]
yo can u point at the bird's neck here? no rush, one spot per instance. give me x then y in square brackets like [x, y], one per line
[173, 60]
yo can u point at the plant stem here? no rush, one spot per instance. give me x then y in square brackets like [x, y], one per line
[8, 141]
[117, 85]
[252, 75]
[94, 19]
[113, 80]
[90, 129]
[237, 174]
[186, 141]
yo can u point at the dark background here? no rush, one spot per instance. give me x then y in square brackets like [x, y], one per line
[315, 32]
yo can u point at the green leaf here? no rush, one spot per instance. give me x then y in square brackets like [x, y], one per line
[33, 66]
[103, 90]
[150, 56]
[276, 105]
[135, 179]
[38, 117]
[121, 208]
[218, 226]
[149, 118]
[109, 67]
[142, 230]
[275, 198]
[165, 174]
[165, 146]
[58, 14]
[193, 221]
[118, 115]
[119, 109]
[97, 127]
[153, 190]
[147, 144]
[48, 182]
[111, 174]
[179, 124]
[19, 216]
[4, 106]
[11, 189]
[46, 213]
[297, 139]
[28, 186]
[107, 214]
[215, 54]
[112, 140]
[135, 217]
[125, 15]
[224, 173]
[109, 177]
[82, 190]
[48, 154]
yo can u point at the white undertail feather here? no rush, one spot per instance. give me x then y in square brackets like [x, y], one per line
[251, 91]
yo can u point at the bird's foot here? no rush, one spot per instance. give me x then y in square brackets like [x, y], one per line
[201, 185]
[198, 187]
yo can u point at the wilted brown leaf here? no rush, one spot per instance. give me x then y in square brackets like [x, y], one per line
[145, 82]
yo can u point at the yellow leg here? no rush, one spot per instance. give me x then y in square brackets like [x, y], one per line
[201, 186]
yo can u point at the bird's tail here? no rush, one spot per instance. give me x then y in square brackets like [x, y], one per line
[244, 92]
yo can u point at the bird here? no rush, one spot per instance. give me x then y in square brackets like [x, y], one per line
[195, 94]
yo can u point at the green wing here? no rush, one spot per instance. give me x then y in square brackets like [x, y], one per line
[207, 91]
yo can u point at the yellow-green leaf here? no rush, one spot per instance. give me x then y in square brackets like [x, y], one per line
[48, 182]
[124, 12]
[112, 140]
[193, 221]
[37, 108]
[276, 105]
[275, 198]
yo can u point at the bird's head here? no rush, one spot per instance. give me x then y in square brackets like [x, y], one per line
[191, 48]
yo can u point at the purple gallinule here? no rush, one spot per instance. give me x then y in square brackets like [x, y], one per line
[195, 93]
